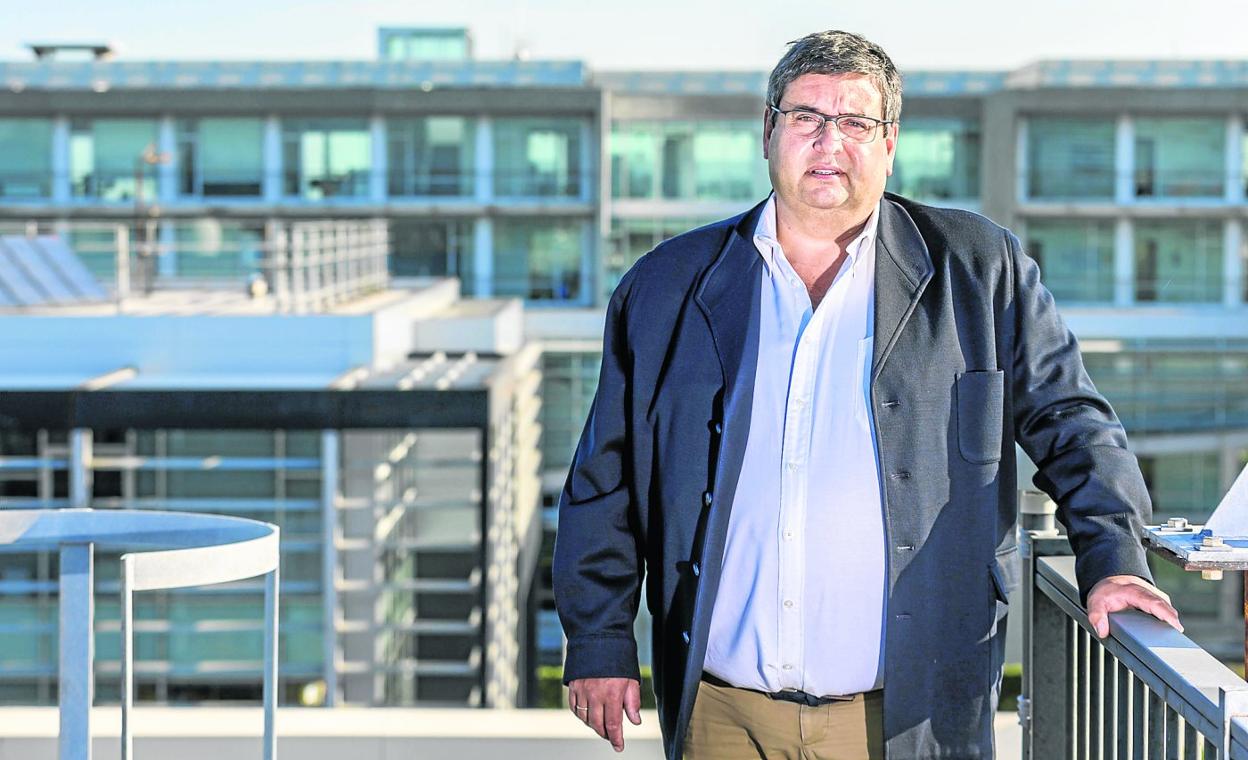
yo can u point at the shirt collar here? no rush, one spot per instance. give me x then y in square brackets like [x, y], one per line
[768, 245]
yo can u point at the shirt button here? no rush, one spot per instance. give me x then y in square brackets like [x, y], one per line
[685, 635]
[707, 497]
[788, 603]
[696, 570]
[793, 466]
[787, 667]
[788, 535]
[719, 429]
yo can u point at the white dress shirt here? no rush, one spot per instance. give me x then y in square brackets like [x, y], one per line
[804, 578]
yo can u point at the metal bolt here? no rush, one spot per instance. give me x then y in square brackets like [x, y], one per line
[1178, 523]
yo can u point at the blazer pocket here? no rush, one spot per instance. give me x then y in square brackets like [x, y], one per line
[980, 395]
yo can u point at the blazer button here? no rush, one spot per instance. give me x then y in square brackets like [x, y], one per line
[707, 497]
[696, 570]
[685, 635]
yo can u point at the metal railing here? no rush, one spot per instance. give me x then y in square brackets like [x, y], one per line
[164, 550]
[1145, 691]
[300, 266]
[314, 265]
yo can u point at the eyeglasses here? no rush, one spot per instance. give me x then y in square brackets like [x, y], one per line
[850, 127]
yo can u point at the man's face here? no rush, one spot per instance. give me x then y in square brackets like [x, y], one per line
[826, 172]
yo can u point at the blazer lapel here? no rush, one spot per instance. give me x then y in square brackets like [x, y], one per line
[728, 297]
[903, 267]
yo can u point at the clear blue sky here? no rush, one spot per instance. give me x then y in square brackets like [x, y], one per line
[640, 34]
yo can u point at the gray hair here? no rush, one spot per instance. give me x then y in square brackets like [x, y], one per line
[836, 52]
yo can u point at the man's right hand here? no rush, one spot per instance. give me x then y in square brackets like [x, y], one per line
[600, 701]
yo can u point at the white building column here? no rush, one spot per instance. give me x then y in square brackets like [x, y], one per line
[483, 256]
[377, 178]
[483, 161]
[271, 183]
[1124, 263]
[1232, 263]
[61, 190]
[1235, 159]
[1124, 160]
[167, 169]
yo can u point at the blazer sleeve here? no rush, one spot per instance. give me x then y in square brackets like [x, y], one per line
[1069, 430]
[597, 570]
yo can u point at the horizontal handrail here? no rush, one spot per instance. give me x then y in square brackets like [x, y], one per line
[1188, 679]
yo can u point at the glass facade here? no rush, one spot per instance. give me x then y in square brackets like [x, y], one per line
[427, 616]
[1184, 485]
[107, 159]
[685, 160]
[431, 156]
[633, 238]
[539, 158]
[267, 475]
[1076, 258]
[1178, 261]
[1070, 158]
[569, 381]
[424, 45]
[326, 158]
[541, 260]
[220, 157]
[1180, 158]
[25, 159]
[1174, 388]
[224, 248]
[937, 160]
[95, 243]
[433, 248]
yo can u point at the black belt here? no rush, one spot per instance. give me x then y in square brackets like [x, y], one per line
[788, 695]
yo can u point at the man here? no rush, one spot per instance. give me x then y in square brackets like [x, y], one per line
[803, 437]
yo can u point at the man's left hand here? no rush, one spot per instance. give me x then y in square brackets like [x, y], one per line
[1123, 592]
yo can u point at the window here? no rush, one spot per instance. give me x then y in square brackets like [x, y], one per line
[1076, 258]
[220, 157]
[633, 238]
[431, 157]
[1070, 158]
[937, 159]
[108, 159]
[326, 158]
[569, 381]
[538, 158]
[1179, 158]
[25, 158]
[681, 160]
[433, 248]
[539, 260]
[218, 247]
[1178, 261]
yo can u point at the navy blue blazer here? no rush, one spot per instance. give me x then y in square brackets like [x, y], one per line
[970, 356]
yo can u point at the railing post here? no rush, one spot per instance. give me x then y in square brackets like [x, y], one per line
[77, 679]
[272, 606]
[127, 658]
[1045, 707]
[1231, 704]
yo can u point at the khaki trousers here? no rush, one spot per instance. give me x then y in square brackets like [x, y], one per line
[738, 724]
